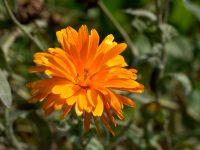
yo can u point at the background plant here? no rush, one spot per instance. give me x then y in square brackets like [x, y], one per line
[164, 42]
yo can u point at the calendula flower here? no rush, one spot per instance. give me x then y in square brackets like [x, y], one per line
[84, 74]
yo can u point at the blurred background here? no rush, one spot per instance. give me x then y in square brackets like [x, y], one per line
[163, 38]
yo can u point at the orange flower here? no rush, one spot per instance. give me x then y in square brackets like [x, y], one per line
[84, 74]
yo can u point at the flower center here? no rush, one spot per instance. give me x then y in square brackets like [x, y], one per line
[83, 79]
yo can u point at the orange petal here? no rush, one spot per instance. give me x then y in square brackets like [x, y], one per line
[49, 110]
[39, 96]
[122, 83]
[57, 65]
[78, 110]
[138, 89]
[83, 36]
[115, 104]
[119, 113]
[66, 111]
[61, 54]
[99, 106]
[60, 35]
[72, 34]
[116, 61]
[37, 69]
[93, 45]
[114, 101]
[90, 96]
[114, 51]
[104, 120]
[106, 44]
[71, 100]
[63, 64]
[87, 117]
[65, 91]
[107, 110]
[126, 100]
[50, 100]
[58, 106]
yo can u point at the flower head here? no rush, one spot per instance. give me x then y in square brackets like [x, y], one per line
[84, 75]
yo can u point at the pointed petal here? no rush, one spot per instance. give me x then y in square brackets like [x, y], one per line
[106, 44]
[116, 61]
[125, 84]
[93, 46]
[114, 101]
[87, 117]
[37, 69]
[50, 101]
[104, 120]
[83, 36]
[126, 100]
[107, 110]
[49, 110]
[66, 111]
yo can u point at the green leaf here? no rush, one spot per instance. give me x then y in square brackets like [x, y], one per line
[94, 144]
[193, 8]
[139, 25]
[141, 13]
[168, 31]
[180, 48]
[5, 91]
[194, 102]
[45, 136]
[183, 80]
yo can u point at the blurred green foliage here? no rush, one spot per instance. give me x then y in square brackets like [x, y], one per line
[166, 34]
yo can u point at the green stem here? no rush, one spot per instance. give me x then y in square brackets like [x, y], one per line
[119, 28]
[9, 131]
[162, 14]
[168, 138]
[20, 26]
[146, 134]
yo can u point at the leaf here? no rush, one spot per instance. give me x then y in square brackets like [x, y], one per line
[5, 90]
[180, 48]
[193, 8]
[194, 100]
[142, 43]
[141, 13]
[94, 144]
[139, 25]
[135, 134]
[168, 31]
[184, 80]
[45, 136]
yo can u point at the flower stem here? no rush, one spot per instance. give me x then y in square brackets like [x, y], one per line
[9, 131]
[119, 28]
[20, 26]
[162, 14]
